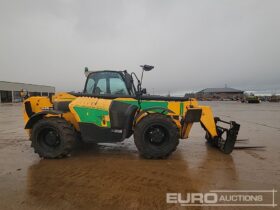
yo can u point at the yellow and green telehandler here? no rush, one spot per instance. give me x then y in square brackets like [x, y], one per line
[111, 109]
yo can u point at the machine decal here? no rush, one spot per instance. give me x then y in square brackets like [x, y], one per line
[91, 115]
[147, 104]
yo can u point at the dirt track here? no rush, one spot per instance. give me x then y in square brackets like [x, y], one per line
[113, 176]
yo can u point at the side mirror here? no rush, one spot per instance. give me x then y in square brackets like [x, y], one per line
[147, 67]
[144, 91]
[141, 92]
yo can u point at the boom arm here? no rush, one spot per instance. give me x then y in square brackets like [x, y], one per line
[220, 137]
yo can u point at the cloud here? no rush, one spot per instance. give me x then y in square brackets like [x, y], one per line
[193, 44]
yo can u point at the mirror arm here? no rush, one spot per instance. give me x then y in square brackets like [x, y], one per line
[138, 81]
[139, 88]
[142, 77]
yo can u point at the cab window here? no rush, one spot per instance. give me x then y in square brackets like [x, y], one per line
[100, 87]
[117, 87]
[90, 86]
[100, 83]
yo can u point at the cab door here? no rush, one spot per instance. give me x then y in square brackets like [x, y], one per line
[98, 115]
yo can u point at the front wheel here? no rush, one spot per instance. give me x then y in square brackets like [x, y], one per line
[156, 136]
[53, 138]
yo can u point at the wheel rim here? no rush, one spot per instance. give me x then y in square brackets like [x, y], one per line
[49, 137]
[156, 135]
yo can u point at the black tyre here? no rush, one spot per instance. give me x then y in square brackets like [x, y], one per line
[156, 136]
[53, 138]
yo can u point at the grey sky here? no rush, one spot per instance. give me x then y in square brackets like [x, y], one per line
[193, 44]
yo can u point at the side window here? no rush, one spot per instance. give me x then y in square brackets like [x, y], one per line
[90, 86]
[100, 87]
[100, 83]
[118, 87]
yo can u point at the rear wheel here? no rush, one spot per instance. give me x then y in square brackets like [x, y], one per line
[156, 136]
[53, 137]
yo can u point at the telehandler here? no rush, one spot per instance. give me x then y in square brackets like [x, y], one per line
[111, 109]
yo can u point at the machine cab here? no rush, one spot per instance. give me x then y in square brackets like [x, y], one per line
[109, 83]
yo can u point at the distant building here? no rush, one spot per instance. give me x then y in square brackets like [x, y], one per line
[10, 91]
[220, 94]
[190, 95]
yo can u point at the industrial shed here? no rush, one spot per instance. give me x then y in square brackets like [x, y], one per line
[220, 93]
[10, 91]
